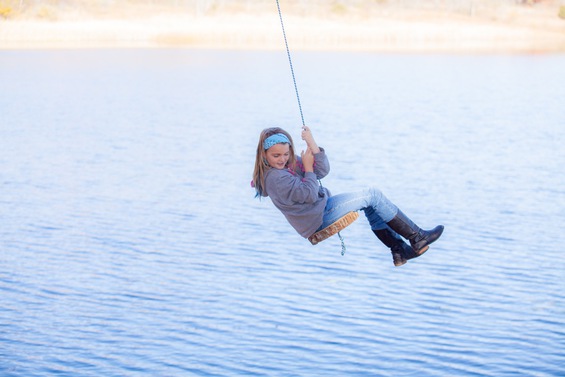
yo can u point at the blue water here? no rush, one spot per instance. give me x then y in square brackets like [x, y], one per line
[131, 244]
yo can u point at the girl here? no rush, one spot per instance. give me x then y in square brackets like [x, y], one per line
[292, 184]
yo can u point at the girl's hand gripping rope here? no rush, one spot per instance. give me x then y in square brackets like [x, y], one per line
[309, 139]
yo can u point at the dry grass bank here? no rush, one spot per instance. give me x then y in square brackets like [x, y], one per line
[376, 25]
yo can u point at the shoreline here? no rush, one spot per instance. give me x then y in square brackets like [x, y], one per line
[388, 32]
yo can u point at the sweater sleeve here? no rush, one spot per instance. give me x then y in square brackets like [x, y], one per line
[321, 164]
[294, 189]
[287, 188]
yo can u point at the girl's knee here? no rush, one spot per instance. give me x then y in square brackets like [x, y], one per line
[375, 193]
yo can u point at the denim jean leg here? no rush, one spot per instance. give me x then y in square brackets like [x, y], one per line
[376, 222]
[376, 206]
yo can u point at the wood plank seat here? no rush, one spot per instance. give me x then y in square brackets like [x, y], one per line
[333, 228]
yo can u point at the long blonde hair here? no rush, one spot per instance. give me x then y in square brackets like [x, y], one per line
[261, 165]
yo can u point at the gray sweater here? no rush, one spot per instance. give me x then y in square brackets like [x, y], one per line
[298, 195]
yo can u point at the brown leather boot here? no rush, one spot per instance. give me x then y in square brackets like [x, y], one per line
[419, 239]
[401, 251]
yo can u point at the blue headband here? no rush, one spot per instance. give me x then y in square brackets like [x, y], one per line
[275, 139]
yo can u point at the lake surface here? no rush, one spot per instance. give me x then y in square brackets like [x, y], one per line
[131, 243]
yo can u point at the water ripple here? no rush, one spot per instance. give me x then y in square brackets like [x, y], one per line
[131, 243]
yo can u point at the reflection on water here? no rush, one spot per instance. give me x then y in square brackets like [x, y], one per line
[131, 243]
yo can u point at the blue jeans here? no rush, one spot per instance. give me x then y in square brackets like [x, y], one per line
[378, 209]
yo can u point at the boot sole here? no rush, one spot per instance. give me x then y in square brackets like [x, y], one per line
[425, 248]
[422, 250]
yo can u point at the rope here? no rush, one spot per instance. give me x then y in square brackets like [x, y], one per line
[290, 62]
[343, 248]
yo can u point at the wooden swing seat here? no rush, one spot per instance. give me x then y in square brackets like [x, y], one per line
[333, 228]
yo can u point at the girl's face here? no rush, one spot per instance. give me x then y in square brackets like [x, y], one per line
[278, 155]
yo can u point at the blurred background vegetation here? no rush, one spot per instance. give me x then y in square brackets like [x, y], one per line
[55, 9]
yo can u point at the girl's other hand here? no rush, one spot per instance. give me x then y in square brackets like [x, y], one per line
[307, 160]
